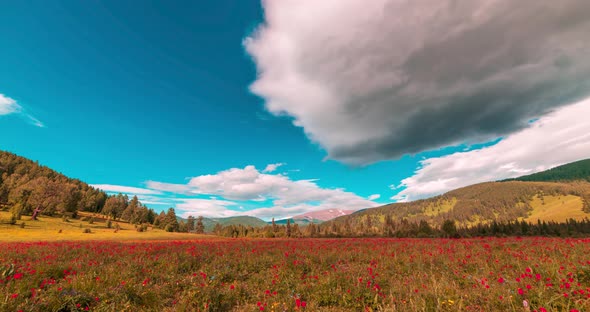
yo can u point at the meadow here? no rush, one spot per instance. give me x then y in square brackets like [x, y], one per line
[87, 226]
[369, 274]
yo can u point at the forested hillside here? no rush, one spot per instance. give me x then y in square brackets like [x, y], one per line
[579, 170]
[471, 206]
[27, 188]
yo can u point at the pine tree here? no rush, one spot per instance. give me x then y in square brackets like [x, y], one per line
[190, 224]
[170, 221]
[200, 227]
[288, 228]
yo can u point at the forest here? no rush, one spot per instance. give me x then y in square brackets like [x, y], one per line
[27, 188]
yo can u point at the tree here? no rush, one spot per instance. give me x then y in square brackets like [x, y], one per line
[424, 229]
[182, 226]
[218, 229]
[200, 228]
[131, 211]
[170, 221]
[449, 228]
[288, 228]
[190, 224]
[115, 205]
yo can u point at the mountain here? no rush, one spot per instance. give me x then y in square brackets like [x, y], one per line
[553, 195]
[324, 215]
[315, 217]
[579, 170]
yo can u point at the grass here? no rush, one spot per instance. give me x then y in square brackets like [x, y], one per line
[288, 275]
[556, 208]
[55, 229]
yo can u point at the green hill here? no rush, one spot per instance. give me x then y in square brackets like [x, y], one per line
[476, 204]
[579, 170]
[553, 195]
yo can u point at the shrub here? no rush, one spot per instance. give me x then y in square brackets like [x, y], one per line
[87, 230]
[91, 221]
[109, 224]
[169, 228]
[141, 228]
[22, 225]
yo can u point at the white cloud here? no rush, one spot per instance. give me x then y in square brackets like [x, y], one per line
[10, 106]
[374, 80]
[206, 207]
[169, 187]
[272, 167]
[288, 197]
[125, 189]
[374, 196]
[558, 138]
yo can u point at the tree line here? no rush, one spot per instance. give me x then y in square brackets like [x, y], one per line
[408, 229]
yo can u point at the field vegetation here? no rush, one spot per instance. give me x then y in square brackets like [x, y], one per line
[377, 274]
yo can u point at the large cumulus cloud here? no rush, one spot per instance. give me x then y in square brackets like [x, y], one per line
[373, 80]
[558, 138]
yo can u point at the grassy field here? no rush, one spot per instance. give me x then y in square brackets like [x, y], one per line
[491, 274]
[556, 208]
[55, 229]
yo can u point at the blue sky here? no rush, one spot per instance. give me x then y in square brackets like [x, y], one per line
[149, 97]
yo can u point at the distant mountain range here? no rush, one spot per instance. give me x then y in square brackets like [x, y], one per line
[315, 217]
[324, 215]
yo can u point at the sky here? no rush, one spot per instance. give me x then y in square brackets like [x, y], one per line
[281, 107]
